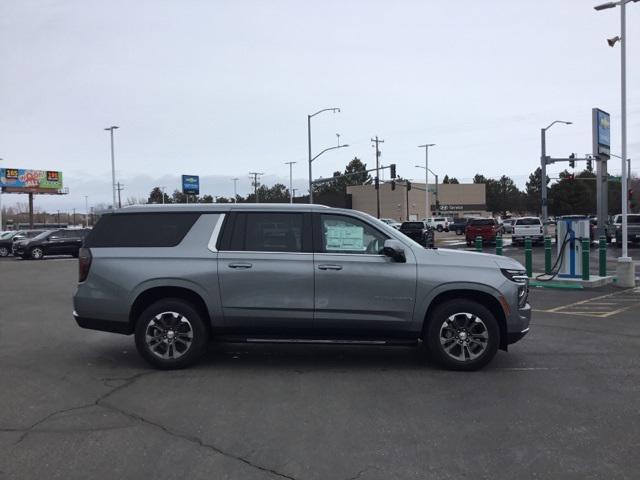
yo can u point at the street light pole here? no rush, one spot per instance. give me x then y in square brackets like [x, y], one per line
[86, 211]
[311, 159]
[543, 172]
[113, 165]
[426, 176]
[235, 189]
[290, 180]
[625, 269]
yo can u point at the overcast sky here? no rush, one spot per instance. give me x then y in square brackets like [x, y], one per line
[221, 88]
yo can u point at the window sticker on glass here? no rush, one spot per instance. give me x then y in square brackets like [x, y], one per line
[344, 238]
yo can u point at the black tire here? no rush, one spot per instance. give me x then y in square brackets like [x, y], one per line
[36, 253]
[162, 314]
[4, 252]
[468, 243]
[458, 232]
[439, 228]
[472, 338]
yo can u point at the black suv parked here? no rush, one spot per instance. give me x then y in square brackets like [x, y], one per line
[51, 242]
[419, 232]
[8, 240]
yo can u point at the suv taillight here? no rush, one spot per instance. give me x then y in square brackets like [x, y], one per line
[84, 264]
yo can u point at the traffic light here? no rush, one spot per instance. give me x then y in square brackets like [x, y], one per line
[590, 165]
[377, 183]
[393, 184]
[392, 167]
[408, 186]
[570, 177]
[572, 162]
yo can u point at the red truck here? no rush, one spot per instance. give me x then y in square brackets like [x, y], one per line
[487, 228]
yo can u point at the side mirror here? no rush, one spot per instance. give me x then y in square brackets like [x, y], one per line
[395, 250]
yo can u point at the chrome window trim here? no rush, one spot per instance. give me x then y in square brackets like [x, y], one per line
[215, 234]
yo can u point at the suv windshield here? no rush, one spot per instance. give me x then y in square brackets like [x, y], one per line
[528, 221]
[481, 222]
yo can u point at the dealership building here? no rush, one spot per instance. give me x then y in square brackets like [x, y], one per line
[452, 199]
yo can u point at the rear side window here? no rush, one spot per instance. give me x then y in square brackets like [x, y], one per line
[141, 230]
[635, 219]
[528, 221]
[267, 232]
[412, 225]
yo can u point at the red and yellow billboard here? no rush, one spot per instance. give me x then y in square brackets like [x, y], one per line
[18, 180]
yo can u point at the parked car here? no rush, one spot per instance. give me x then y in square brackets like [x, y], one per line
[633, 229]
[609, 230]
[458, 225]
[391, 222]
[438, 223]
[527, 227]
[419, 232]
[487, 228]
[507, 225]
[51, 242]
[9, 239]
[177, 277]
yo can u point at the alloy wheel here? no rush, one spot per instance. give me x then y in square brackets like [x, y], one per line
[37, 253]
[169, 335]
[464, 336]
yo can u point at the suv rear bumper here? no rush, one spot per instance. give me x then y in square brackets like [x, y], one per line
[103, 325]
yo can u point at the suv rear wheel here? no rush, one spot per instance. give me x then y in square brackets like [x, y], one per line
[171, 334]
[462, 335]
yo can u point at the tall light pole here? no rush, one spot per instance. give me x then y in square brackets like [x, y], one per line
[113, 165]
[291, 164]
[543, 171]
[311, 159]
[435, 175]
[625, 270]
[235, 189]
[426, 176]
[162, 190]
[86, 211]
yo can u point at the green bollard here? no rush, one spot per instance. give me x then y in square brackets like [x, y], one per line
[528, 260]
[478, 243]
[499, 245]
[547, 255]
[602, 247]
[585, 258]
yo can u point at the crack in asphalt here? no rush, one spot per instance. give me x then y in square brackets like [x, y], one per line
[100, 401]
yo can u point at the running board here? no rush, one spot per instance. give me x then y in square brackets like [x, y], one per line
[322, 341]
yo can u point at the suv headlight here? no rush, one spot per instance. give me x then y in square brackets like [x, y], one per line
[519, 277]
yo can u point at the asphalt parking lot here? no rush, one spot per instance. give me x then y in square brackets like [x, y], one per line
[562, 403]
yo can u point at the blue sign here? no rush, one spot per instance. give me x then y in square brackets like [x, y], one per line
[604, 129]
[191, 184]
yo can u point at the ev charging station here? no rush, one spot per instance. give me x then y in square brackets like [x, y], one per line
[571, 231]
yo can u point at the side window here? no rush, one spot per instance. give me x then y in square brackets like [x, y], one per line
[342, 234]
[267, 232]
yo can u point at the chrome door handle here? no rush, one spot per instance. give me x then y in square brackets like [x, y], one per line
[240, 265]
[330, 267]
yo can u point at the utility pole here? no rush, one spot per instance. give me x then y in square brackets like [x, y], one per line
[377, 141]
[291, 164]
[86, 211]
[74, 217]
[120, 187]
[426, 177]
[235, 189]
[113, 165]
[256, 182]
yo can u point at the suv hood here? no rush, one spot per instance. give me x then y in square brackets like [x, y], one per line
[463, 258]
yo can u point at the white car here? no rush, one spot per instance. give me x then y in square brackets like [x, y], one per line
[438, 223]
[527, 227]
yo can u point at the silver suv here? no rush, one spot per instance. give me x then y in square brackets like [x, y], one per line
[178, 276]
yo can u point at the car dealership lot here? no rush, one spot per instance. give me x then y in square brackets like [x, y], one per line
[82, 404]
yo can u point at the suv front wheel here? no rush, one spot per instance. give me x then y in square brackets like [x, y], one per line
[462, 335]
[36, 253]
[171, 334]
